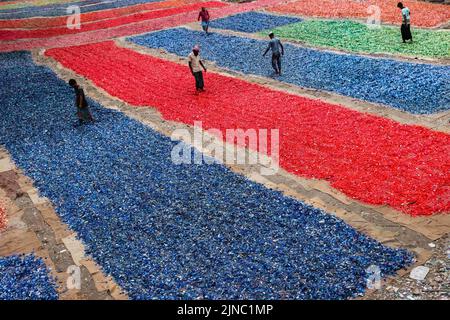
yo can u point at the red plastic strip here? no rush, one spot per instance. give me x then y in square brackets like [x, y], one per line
[2, 217]
[130, 29]
[105, 24]
[48, 22]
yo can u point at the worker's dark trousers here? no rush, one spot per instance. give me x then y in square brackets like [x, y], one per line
[198, 80]
[276, 62]
[406, 32]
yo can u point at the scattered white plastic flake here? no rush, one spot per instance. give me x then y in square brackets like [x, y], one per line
[419, 273]
[432, 245]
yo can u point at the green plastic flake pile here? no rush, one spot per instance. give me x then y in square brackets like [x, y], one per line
[357, 37]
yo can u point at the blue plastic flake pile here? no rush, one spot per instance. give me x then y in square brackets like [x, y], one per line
[167, 231]
[25, 278]
[252, 22]
[416, 88]
[60, 9]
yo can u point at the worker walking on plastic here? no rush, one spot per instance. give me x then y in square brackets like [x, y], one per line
[83, 112]
[204, 16]
[196, 65]
[277, 51]
[406, 23]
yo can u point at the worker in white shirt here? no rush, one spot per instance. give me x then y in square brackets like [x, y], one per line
[196, 65]
[406, 23]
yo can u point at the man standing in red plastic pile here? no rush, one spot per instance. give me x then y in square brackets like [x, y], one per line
[204, 15]
[196, 65]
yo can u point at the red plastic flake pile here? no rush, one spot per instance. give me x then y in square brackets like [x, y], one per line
[131, 29]
[105, 24]
[48, 22]
[369, 158]
[2, 216]
[7, 3]
[423, 14]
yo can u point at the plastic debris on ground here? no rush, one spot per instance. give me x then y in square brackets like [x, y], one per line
[87, 17]
[60, 9]
[129, 29]
[108, 23]
[15, 4]
[419, 273]
[26, 278]
[167, 231]
[358, 37]
[252, 22]
[423, 14]
[367, 157]
[2, 216]
[416, 88]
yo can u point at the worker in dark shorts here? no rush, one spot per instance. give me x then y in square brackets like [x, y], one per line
[277, 51]
[196, 65]
[83, 112]
[406, 23]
